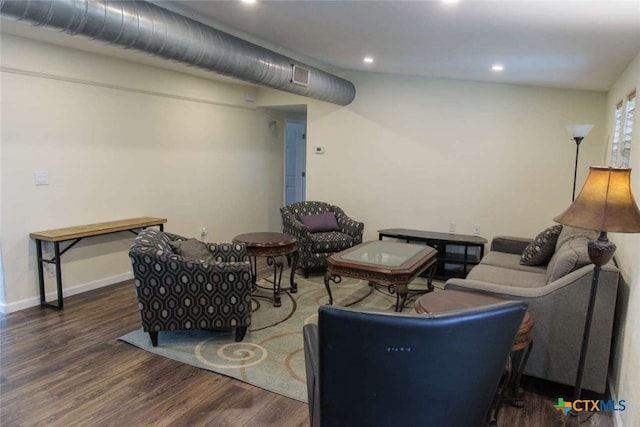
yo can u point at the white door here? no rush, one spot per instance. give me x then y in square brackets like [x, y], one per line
[295, 161]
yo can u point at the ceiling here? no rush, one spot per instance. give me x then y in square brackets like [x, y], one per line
[581, 44]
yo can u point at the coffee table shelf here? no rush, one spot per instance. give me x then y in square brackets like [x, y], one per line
[457, 253]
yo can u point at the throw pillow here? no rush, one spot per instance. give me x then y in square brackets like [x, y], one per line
[321, 222]
[572, 255]
[541, 250]
[191, 248]
[569, 232]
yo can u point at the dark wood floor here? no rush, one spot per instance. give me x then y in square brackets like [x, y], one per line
[68, 369]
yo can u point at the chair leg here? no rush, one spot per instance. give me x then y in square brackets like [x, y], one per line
[154, 338]
[240, 333]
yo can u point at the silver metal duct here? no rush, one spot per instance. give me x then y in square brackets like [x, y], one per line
[149, 28]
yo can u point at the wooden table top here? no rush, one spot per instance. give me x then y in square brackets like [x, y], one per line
[80, 231]
[265, 239]
[439, 302]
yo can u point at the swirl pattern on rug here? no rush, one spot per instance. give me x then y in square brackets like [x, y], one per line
[271, 355]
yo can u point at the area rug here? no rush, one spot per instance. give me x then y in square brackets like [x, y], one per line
[271, 355]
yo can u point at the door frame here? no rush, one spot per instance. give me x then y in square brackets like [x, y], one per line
[288, 121]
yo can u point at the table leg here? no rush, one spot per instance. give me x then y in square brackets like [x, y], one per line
[501, 393]
[294, 264]
[277, 278]
[58, 274]
[510, 388]
[401, 296]
[520, 361]
[254, 270]
[329, 277]
[432, 273]
[40, 272]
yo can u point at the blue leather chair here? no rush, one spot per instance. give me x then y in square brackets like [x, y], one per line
[393, 369]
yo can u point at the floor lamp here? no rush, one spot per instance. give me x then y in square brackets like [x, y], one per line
[578, 132]
[605, 204]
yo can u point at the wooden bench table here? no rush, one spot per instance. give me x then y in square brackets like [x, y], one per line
[75, 234]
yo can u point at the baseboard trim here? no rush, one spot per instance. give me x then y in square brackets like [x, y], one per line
[66, 292]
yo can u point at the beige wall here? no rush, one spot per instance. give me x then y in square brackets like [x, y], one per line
[626, 355]
[121, 140]
[420, 153]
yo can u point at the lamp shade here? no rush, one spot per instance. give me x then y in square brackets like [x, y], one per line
[605, 203]
[579, 131]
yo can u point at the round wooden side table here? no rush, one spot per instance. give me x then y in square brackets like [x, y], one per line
[273, 246]
[439, 302]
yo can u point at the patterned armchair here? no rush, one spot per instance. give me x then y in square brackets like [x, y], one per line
[315, 247]
[175, 292]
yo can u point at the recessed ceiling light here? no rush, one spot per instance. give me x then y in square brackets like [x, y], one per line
[449, 1]
[497, 67]
[368, 59]
[248, 1]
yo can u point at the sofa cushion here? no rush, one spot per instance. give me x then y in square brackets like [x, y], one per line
[572, 255]
[191, 248]
[541, 250]
[507, 277]
[320, 222]
[568, 233]
[331, 241]
[511, 261]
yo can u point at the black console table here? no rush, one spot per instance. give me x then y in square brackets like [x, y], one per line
[457, 253]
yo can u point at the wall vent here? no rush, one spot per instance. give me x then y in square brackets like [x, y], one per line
[300, 76]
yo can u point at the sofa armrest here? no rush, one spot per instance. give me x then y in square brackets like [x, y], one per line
[349, 226]
[509, 244]
[291, 225]
[584, 273]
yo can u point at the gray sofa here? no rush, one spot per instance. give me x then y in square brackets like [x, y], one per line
[557, 294]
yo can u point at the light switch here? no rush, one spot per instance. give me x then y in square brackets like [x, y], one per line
[41, 178]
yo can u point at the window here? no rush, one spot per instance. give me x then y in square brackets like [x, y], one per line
[622, 130]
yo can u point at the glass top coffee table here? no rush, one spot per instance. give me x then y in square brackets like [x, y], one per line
[387, 263]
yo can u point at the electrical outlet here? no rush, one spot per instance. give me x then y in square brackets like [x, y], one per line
[203, 233]
[452, 227]
[50, 269]
[476, 229]
[41, 178]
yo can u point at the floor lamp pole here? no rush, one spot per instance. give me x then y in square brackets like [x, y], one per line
[600, 252]
[577, 390]
[575, 169]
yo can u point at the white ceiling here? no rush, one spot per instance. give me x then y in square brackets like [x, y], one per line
[571, 44]
[582, 44]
